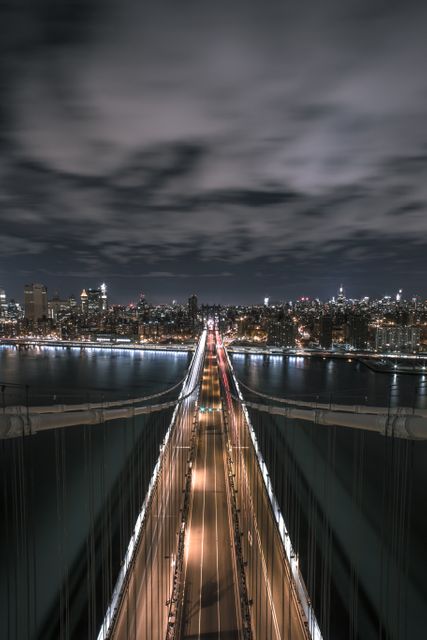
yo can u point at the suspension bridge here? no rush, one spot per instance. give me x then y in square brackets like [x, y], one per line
[200, 533]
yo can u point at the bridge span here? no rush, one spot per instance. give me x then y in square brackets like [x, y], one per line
[209, 560]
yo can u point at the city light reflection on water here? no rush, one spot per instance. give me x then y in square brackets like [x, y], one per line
[320, 377]
[89, 371]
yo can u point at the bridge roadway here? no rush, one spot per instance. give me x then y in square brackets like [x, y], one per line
[211, 608]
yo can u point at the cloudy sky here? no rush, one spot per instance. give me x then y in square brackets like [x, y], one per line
[232, 149]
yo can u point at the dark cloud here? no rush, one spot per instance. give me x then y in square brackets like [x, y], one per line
[159, 139]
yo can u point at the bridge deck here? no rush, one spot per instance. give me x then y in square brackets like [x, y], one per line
[210, 608]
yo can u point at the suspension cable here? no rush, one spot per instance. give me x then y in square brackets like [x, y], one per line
[337, 407]
[88, 406]
[412, 427]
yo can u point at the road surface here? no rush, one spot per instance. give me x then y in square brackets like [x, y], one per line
[210, 607]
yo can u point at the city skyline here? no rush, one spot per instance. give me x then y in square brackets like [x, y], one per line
[116, 296]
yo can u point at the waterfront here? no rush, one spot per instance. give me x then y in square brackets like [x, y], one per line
[58, 373]
[343, 380]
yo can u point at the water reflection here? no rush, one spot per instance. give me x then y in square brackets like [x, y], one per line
[327, 378]
[90, 371]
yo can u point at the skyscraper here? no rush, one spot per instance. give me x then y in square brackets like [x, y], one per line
[3, 303]
[83, 301]
[325, 337]
[104, 299]
[35, 302]
[192, 309]
[397, 339]
[94, 301]
[282, 333]
[358, 332]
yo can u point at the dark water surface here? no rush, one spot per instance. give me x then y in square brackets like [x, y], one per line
[355, 502]
[77, 374]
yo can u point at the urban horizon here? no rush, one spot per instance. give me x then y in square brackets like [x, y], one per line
[388, 325]
[56, 289]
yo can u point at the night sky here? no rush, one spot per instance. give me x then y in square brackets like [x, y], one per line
[232, 149]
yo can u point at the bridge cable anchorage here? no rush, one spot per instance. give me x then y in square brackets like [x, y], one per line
[410, 427]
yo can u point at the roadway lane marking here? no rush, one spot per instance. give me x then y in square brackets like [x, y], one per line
[203, 539]
[188, 534]
[216, 540]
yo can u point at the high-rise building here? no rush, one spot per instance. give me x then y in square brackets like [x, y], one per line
[325, 332]
[94, 301]
[104, 299]
[341, 299]
[192, 309]
[397, 339]
[35, 302]
[358, 332]
[56, 306]
[282, 333]
[83, 301]
[14, 310]
[142, 308]
[3, 303]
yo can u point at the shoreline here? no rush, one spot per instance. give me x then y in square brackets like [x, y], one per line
[76, 344]
[399, 363]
